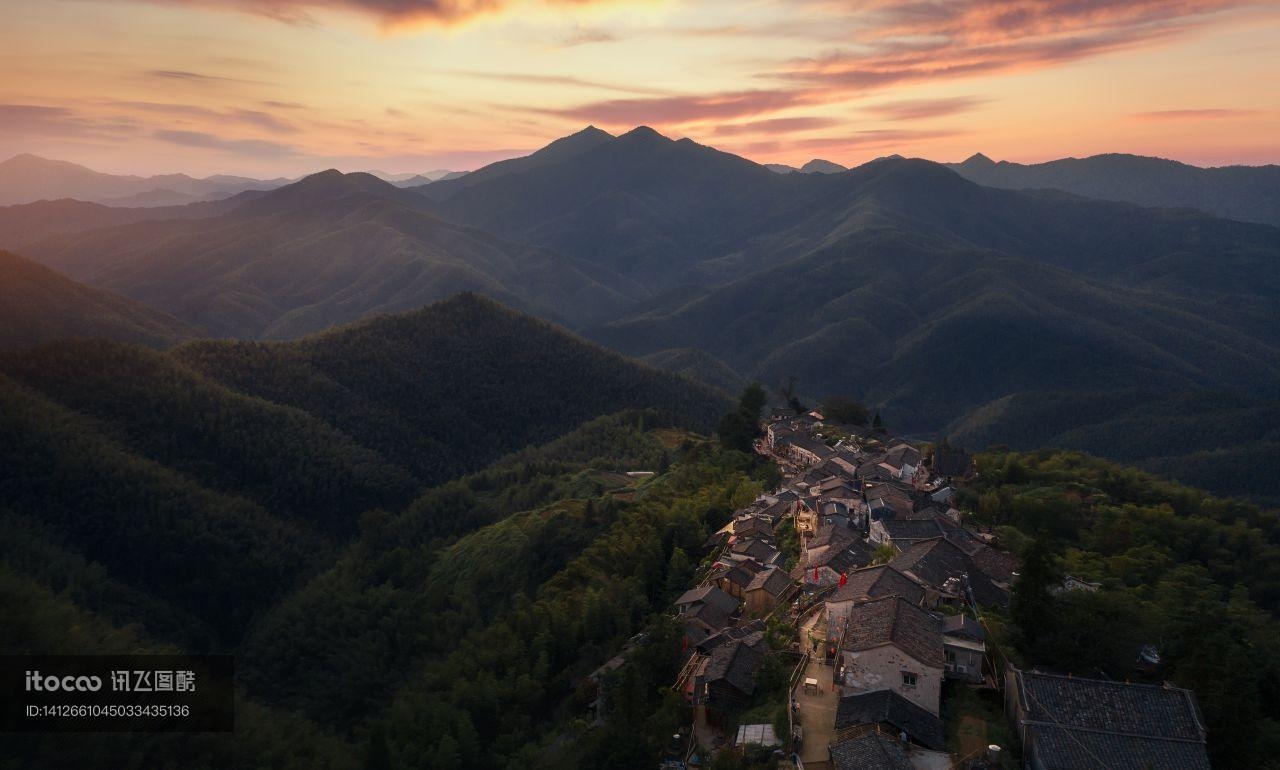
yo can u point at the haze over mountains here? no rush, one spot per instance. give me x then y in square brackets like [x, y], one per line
[1248, 193]
[993, 315]
[28, 178]
[40, 305]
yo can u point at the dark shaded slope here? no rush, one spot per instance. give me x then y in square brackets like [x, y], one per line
[641, 204]
[38, 305]
[451, 386]
[204, 482]
[928, 329]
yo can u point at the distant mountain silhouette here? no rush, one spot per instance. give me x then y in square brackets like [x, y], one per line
[820, 166]
[1247, 193]
[27, 178]
[640, 204]
[38, 305]
[30, 222]
[326, 250]
[156, 197]
[418, 180]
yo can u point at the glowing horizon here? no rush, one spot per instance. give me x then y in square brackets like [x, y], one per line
[271, 88]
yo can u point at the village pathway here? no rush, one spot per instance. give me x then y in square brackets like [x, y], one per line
[817, 705]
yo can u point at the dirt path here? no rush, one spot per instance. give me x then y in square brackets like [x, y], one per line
[973, 735]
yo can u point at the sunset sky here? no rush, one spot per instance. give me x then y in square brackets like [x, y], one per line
[285, 87]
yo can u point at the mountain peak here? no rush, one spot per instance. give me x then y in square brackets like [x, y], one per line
[27, 160]
[572, 144]
[978, 160]
[329, 185]
[820, 166]
[643, 133]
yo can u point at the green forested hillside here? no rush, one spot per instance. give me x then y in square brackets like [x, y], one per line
[698, 365]
[205, 482]
[455, 633]
[451, 387]
[1214, 440]
[1195, 577]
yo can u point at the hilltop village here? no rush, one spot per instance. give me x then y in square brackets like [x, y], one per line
[857, 600]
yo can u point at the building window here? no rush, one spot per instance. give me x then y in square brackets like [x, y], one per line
[908, 679]
[951, 656]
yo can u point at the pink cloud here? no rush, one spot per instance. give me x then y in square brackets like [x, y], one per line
[389, 13]
[920, 109]
[923, 41]
[675, 110]
[775, 125]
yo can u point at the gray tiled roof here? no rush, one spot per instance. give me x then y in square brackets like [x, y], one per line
[829, 534]
[752, 525]
[773, 580]
[887, 707]
[708, 615]
[709, 594]
[869, 751]
[937, 559]
[735, 662]
[1073, 722]
[901, 454]
[909, 529]
[963, 625]
[894, 620]
[875, 582]
[841, 557]
[1061, 749]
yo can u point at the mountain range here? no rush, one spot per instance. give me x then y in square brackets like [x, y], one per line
[28, 178]
[955, 308]
[1247, 193]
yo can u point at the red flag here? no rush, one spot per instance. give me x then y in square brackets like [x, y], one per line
[844, 578]
[815, 574]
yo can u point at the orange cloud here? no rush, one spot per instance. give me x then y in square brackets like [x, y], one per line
[388, 13]
[918, 42]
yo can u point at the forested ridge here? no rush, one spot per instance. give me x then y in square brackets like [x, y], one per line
[215, 476]
[460, 630]
[1197, 578]
[300, 505]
